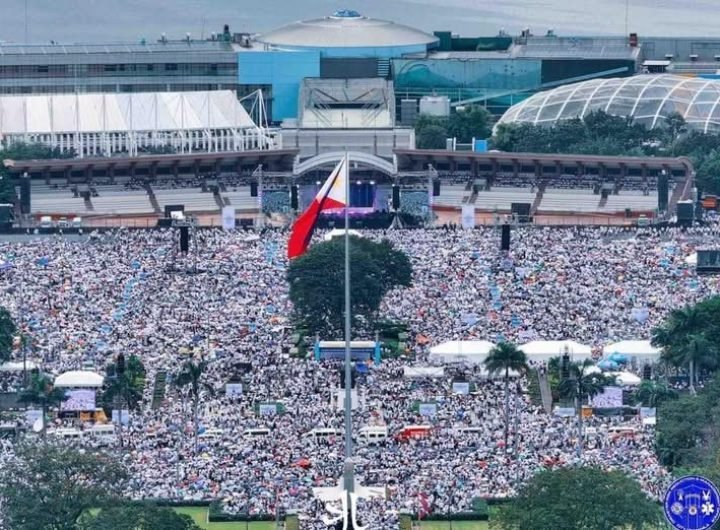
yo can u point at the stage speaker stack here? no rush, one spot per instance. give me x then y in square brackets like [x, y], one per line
[565, 367]
[396, 197]
[685, 213]
[663, 192]
[293, 197]
[25, 195]
[184, 239]
[253, 189]
[505, 238]
[436, 188]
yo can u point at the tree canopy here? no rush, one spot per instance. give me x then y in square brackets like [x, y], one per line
[464, 124]
[141, 517]
[582, 498]
[317, 283]
[66, 482]
[7, 333]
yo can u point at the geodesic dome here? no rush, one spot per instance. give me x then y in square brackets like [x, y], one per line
[648, 99]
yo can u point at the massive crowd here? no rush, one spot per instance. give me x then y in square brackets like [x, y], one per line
[86, 301]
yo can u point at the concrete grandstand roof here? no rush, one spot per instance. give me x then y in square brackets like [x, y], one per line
[142, 111]
[345, 29]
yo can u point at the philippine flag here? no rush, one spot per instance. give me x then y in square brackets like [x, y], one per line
[331, 196]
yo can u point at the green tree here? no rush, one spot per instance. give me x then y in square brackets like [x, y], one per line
[124, 383]
[141, 517]
[48, 487]
[583, 383]
[468, 123]
[685, 341]
[190, 377]
[503, 359]
[7, 189]
[40, 392]
[652, 393]
[558, 499]
[708, 173]
[431, 137]
[317, 283]
[7, 334]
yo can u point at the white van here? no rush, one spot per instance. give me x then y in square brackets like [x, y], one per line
[67, 434]
[260, 432]
[373, 434]
[103, 434]
[320, 434]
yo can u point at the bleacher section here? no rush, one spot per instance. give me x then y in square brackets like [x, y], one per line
[452, 195]
[636, 201]
[240, 199]
[194, 199]
[122, 202]
[500, 199]
[58, 202]
[569, 200]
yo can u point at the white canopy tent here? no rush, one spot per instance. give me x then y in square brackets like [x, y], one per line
[461, 351]
[79, 379]
[626, 378]
[108, 123]
[337, 232]
[17, 366]
[544, 350]
[638, 350]
[420, 372]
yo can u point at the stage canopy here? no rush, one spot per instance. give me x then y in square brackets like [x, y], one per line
[544, 350]
[626, 378]
[79, 379]
[640, 350]
[461, 351]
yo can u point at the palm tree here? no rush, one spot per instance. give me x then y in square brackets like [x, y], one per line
[124, 386]
[190, 376]
[41, 392]
[583, 383]
[651, 394]
[504, 358]
[683, 341]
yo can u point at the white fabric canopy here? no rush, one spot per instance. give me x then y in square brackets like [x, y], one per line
[544, 350]
[639, 349]
[423, 371]
[17, 366]
[79, 379]
[691, 259]
[336, 232]
[461, 351]
[626, 378]
[139, 111]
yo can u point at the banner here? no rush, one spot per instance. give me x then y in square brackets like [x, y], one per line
[228, 218]
[468, 216]
[233, 389]
[427, 409]
[609, 398]
[79, 400]
[564, 412]
[461, 388]
[267, 409]
[123, 415]
[648, 412]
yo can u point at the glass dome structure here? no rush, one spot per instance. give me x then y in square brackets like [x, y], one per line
[649, 99]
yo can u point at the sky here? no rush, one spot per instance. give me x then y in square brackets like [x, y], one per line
[69, 21]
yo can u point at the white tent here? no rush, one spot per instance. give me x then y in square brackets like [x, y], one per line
[691, 259]
[626, 378]
[336, 232]
[640, 350]
[461, 351]
[544, 350]
[107, 123]
[79, 379]
[17, 366]
[416, 372]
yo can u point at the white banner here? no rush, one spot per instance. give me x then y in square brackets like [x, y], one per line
[228, 218]
[468, 216]
[233, 389]
[427, 409]
[610, 398]
[460, 387]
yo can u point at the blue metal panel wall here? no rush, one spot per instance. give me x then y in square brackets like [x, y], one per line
[283, 71]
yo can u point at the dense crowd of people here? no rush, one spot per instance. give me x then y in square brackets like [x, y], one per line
[83, 302]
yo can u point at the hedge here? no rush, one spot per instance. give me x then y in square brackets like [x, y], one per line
[293, 523]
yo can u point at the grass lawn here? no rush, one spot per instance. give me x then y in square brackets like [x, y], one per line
[457, 525]
[199, 515]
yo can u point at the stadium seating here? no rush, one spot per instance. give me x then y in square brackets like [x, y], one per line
[569, 200]
[241, 199]
[500, 199]
[122, 202]
[193, 199]
[634, 200]
[452, 195]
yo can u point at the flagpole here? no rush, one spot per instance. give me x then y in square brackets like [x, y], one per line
[349, 481]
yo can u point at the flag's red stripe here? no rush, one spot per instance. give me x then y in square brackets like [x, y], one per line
[305, 226]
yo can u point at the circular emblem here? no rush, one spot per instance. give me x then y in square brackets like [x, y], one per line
[692, 503]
